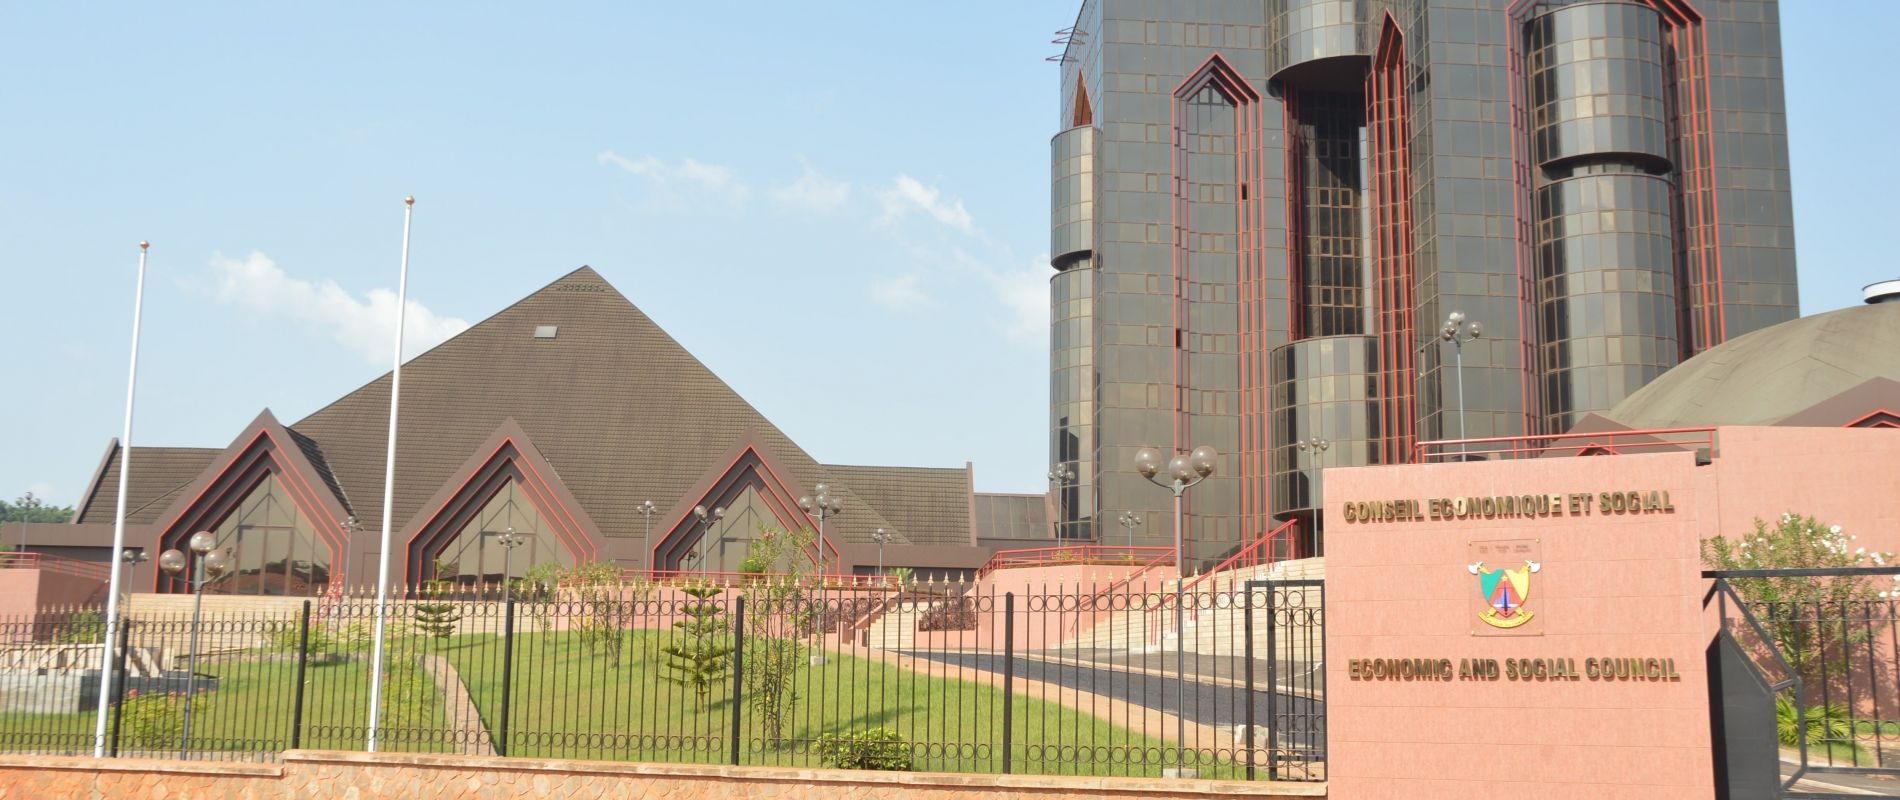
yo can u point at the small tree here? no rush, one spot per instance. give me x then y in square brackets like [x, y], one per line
[779, 614]
[1802, 613]
[439, 617]
[701, 656]
[597, 592]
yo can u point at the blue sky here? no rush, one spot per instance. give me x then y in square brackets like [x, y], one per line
[841, 207]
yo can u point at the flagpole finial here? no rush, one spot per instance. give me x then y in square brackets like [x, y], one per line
[409, 201]
[144, 245]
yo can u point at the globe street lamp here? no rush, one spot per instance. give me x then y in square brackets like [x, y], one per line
[706, 520]
[824, 504]
[1061, 474]
[1458, 330]
[509, 540]
[1131, 521]
[1184, 472]
[1316, 448]
[880, 536]
[648, 509]
[211, 565]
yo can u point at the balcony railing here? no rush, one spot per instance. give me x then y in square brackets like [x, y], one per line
[1702, 441]
[53, 563]
[1090, 554]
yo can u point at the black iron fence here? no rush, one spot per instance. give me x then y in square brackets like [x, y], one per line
[945, 677]
[1808, 666]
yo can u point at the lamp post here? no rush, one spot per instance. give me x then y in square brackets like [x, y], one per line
[509, 540]
[1458, 330]
[211, 565]
[1131, 521]
[1061, 474]
[824, 504]
[132, 558]
[706, 520]
[648, 509]
[1184, 472]
[1316, 448]
[880, 536]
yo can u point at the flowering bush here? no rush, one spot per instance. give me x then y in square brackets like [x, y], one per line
[1804, 614]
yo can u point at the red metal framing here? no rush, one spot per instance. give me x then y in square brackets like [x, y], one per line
[1882, 418]
[301, 494]
[569, 531]
[778, 499]
[1073, 555]
[1248, 138]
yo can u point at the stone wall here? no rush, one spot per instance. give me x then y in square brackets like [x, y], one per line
[365, 776]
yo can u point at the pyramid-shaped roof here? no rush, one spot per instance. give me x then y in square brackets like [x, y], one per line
[621, 410]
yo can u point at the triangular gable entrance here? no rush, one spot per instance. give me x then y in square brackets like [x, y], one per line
[265, 449]
[507, 456]
[748, 465]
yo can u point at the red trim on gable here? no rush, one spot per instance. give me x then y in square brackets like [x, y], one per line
[1883, 418]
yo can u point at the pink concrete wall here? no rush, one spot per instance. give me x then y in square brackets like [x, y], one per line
[25, 592]
[1625, 585]
[1611, 586]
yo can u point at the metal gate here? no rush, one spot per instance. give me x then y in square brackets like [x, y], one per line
[1285, 727]
[1804, 681]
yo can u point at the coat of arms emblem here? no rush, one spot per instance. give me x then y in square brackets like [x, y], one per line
[1505, 591]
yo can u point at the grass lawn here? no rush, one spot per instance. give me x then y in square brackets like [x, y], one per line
[250, 712]
[568, 703]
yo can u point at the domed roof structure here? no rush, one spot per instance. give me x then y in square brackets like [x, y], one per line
[1769, 375]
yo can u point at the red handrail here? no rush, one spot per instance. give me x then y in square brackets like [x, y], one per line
[1598, 443]
[1094, 554]
[1248, 556]
[730, 579]
[53, 563]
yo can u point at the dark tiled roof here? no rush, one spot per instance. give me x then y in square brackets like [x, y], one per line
[621, 410]
[1012, 516]
[159, 474]
[929, 505]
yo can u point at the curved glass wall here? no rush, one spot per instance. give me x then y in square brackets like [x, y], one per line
[1323, 388]
[1303, 31]
[1606, 289]
[476, 555]
[1072, 395]
[1071, 195]
[1598, 84]
[274, 548]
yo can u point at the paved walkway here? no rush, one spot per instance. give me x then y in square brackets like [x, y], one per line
[469, 735]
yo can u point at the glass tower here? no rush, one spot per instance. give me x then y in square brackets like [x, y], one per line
[1263, 210]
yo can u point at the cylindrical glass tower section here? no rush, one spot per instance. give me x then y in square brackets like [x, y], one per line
[1072, 396]
[1599, 86]
[1072, 194]
[1072, 329]
[1607, 289]
[1302, 33]
[1323, 388]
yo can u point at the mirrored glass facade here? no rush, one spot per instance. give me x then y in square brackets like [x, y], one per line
[274, 550]
[1601, 183]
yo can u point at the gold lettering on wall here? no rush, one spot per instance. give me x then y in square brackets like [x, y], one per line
[1511, 506]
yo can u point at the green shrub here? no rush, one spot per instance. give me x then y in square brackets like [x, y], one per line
[85, 627]
[877, 748]
[157, 720]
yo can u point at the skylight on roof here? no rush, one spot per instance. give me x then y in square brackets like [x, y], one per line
[546, 331]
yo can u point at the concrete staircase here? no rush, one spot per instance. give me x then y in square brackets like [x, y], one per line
[1215, 618]
[896, 629]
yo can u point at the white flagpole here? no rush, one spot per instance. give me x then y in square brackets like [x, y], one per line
[389, 483]
[109, 635]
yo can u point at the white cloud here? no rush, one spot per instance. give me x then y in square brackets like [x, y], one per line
[907, 194]
[676, 185]
[901, 293]
[1024, 293]
[364, 325]
[814, 192]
